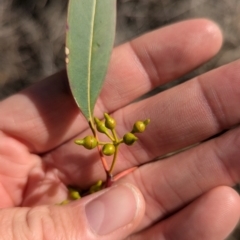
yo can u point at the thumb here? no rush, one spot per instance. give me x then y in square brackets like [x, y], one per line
[113, 213]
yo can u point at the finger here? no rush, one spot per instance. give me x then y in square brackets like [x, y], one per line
[212, 216]
[173, 183]
[184, 115]
[157, 58]
[98, 216]
[45, 115]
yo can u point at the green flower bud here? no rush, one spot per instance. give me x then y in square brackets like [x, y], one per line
[100, 125]
[108, 149]
[129, 138]
[74, 194]
[140, 126]
[88, 142]
[146, 122]
[96, 187]
[65, 202]
[110, 122]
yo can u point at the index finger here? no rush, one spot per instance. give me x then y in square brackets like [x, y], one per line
[45, 115]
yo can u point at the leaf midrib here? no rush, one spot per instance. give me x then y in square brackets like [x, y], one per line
[90, 59]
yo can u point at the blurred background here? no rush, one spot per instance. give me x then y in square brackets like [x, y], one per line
[32, 35]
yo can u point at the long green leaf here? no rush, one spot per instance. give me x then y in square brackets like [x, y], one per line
[90, 37]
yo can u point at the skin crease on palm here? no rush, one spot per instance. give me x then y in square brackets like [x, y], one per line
[187, 196]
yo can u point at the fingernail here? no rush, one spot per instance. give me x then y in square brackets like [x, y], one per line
[113, 209]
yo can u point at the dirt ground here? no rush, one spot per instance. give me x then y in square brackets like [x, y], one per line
[32, 35]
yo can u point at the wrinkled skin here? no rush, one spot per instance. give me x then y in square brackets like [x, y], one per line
[186, 196]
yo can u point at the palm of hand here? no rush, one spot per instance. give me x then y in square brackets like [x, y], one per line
[38, 156]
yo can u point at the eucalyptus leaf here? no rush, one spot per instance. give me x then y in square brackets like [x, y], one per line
[89, 42]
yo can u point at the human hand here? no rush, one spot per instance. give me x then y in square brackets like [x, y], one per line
[185, 196]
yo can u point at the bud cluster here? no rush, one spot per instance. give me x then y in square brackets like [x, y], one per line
[107, 127]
